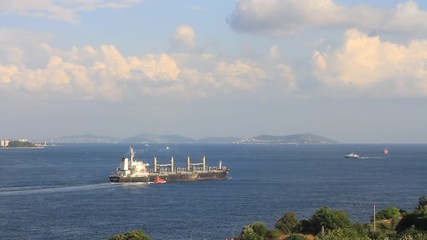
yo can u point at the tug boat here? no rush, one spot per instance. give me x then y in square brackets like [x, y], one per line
[159, 180]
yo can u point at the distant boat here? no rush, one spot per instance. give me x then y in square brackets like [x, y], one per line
[351, 155]
[385, 151]
[159, 180]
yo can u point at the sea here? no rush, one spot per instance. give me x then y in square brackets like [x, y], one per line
[63, 191]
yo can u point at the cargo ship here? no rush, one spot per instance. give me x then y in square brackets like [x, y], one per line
[132, 170]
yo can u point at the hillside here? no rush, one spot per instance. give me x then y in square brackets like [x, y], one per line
[306, 138]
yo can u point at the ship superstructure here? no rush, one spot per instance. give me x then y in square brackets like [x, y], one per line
[132, 170]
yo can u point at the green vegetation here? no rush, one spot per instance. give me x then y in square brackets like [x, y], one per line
[132, 235]
[288, 223]
[391, 223]
[255, 231]
[388, 213]
[16, 143]
[296, 237]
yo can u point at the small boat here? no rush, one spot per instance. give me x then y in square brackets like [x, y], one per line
[385, 151]
[159, 180]
[351, 155]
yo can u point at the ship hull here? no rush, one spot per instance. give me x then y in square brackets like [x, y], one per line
[173, 177]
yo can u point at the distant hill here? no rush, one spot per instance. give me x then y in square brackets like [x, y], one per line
[306, 138]
[219, 140]
[84, 139]
[153, 138]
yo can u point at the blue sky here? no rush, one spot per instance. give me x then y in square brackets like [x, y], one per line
[353, 71]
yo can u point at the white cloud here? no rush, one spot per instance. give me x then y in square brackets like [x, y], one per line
[6, 73]
[274, 51]
[287, 78]
[365, 64]
[406, 18]
[240, 74]
[185, 35]
[104, 72]
[156, 67]
[282, 17]
[59, 10]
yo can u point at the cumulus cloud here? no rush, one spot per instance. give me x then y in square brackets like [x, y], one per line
[160, 67]
[184, 36]
[87, 73]
[6, 73]
[367, 64]
[104, 72]
[240, 74]
[283, 17]
[287, 78]
[59, 10]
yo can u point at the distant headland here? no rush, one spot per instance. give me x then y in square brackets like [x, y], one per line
[19, 143]
[305, 138]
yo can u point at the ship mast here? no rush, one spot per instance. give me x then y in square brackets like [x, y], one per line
[132, 154]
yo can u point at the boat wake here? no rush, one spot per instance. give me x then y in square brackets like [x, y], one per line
[124, 184]
[13, 191]
[370, 157]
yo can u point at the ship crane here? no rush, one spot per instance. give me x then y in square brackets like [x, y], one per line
[190, 166]
[156, 166]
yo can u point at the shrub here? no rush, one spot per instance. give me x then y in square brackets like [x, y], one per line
[273, 234]
[248, 233]
[388, 213]
[259, 228]
[296, 237]
[328, 218]
[288, 223]
[132, 235]
[341, 234]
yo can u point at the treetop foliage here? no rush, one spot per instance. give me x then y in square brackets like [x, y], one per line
[132, 235]
[329, 224]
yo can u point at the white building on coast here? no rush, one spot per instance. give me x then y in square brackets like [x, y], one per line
[4, 142]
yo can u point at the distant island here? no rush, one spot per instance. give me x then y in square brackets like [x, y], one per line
[19, 143]
[305, 138]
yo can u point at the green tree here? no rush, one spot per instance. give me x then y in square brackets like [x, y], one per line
[288, 223]
[422, 201]
[248, 233]
[413, 234]
[255, 231]
[416, 219]
[388, 213]
[329, 219]
[132, 235]
[259, 228]
[422, 206]
[341, 234]
[273, 234]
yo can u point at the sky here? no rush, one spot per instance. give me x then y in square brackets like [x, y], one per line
[353, 71]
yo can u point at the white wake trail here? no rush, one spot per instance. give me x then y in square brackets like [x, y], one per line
[13, 191]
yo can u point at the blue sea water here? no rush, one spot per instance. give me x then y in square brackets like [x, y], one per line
[62, 192]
